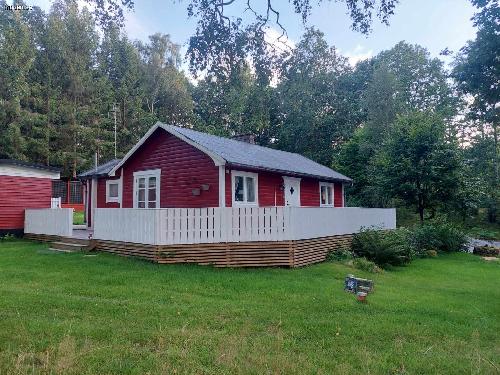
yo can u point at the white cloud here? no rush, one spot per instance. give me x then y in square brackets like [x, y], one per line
[358, 54]
[277, 40]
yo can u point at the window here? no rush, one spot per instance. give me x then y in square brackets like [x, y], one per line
[147, 189]
[244, 188]
[113, 191]
[325, 194]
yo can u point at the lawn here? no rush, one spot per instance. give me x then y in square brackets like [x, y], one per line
[73, 313]
[78, 218]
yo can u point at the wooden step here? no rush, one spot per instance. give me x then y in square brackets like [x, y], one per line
[76, 241]
[69, 247]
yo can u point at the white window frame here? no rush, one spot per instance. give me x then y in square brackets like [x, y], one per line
[328, 185]
[255, 176]
[113, 199]
[146, 174]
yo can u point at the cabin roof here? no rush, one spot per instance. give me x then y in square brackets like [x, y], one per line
[237, 154]
[101, 170]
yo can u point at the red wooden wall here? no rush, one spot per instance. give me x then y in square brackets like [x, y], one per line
[18, 193]
[270, 189]
[183, 168]
[271, 193]
[101, 193]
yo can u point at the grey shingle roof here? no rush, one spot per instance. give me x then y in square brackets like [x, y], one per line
[244, 154]
[101, 170]
[29, 165]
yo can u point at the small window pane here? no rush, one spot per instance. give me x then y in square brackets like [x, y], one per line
[113, 190]
[152, 194]
[323, 194]
[142, 183]
[142, 195]
[142, 205]
[329, 190]
[250, 189]
[238, 189]
[152, 182]
[151, 204]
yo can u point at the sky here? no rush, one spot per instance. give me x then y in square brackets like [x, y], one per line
[434, 24]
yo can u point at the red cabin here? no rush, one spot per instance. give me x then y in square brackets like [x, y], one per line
[23, 185]
[179, 167]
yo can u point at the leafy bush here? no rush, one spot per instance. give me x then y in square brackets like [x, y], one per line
[441, 236]
[384, 247]
[7, 237]
[366, 265]
[339, 255]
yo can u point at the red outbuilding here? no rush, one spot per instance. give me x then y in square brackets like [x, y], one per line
[179, 167]
[23, 185]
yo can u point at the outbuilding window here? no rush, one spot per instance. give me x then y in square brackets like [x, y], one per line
[244, 188]
[325, 194]
[112, 191]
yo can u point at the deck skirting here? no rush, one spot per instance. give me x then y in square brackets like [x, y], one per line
[293, 253]
[296, 253]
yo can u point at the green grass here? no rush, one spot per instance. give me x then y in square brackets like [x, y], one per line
[78, 218]
[72, 313]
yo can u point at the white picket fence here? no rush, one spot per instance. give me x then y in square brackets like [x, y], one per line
[51, 221]
[168, 226]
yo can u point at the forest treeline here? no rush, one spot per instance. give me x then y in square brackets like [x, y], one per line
[409, 130]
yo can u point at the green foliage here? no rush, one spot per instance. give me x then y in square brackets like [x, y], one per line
[384, 247]
[439, 235]
[339, 255]
[477, 73]
[418, 164]
[366, 265]
[317, 100]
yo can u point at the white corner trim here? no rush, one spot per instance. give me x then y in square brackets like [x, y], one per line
[121, 188]
[148, 173]
[332, 186]
[217, 159]
[245, 174]
[93, 203]
[343, 196]
[222, 186]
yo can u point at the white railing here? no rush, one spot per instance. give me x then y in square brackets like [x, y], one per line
[312, 222]
[169, 226]
[55, 222]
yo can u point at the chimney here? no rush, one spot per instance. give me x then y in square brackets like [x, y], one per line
[248, 138]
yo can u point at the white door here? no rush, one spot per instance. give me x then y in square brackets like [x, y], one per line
[292, 191]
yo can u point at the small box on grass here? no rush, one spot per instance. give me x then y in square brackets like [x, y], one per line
[355, 284]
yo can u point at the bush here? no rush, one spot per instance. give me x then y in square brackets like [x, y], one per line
[384, 247]
[366, 265]
[441, 236]
[339, 255]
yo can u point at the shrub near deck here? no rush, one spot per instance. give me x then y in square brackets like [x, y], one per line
[102, 314]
